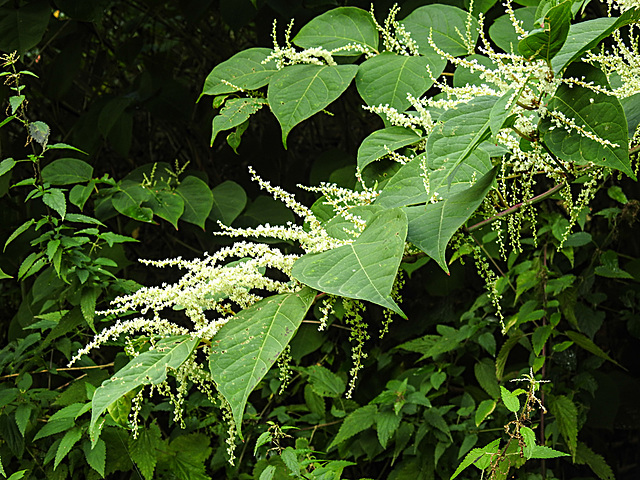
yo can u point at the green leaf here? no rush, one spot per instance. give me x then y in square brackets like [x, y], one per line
[584, 36]
[247, 346]
[599, 114]
[33, 259]
[486, 376]
[354, 423]
[22, 28]
[584, 342]
[128, 201]
[235, 112]
[16, 475]
[381, 142]
[290, 459]
[4, 275]
[77, 217]
[88, 304]
[244, 70]
[18, 231]
[566, 415]
[299, 91]
[22, 416]
[595, 461]
[502, 109]
[15, 101]
[530, 441]
[148, 368]
[144, 449]
[540, 336]
[485, 409]
[65, 146]
[7, 165]
[66, 444]
[540, 451]
[229, 200]
[187, 455]
[39, 131]
[365, 269]
[386, 79]
[503, 354]
[268, 473]
[510, 400]
[337, 28]
[54, 198]
[631, 106]
[432, 226]
[66, 171]
[324, 382]
[167, 205]
[197, 199]
[445, 21]
[610, 267]
[545, 42]
[504, 35]
[480, 457]
[387, 422]
[97, 456]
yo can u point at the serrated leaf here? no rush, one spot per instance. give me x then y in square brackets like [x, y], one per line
[290, 459]
[66, 444]
[66, 171]
[503, 354]
[566, 415]
[247, 346]
[187, 456]
[148, 368]
[22, 416]
[144, 449]
[7, 165]
[337, 28]
[432, 226]
[324, 382]
[486, 376]
[28, 263]
[365, 269]
[599, 114]
[39, 131]
[595, 461]
[268, 473]
[386, 79]
[299, 91]
[545, 42]
[96, 457]
[530, 441]
[539, 338]
[264, 438]
[354, 423]
[480, 457]
[387, 422]
[18, 231]
[447, 22]
[244, 70]
[485, 409]
[381, 142]
[197, 198]
[510, 400]
[54, 198]
[235, 112]
[88, 300]
[540, 451]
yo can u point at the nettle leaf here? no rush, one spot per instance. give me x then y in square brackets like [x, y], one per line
[54, 198]
[599, 114]
[246, 347]
[244, 70]
[197, 199]
[381, 142]
[529, 439]
[595, 461]
[566, 415]
[337, 28]
[545, 42]
[432, 226]
[299, 91]
[504, 35]
[66, 444]
[485, 408]
[584, 36]
[480, 457]
[387, 422]
[97, 456]
[365, 269]
[354, 423]
[584, 342]
[229, 200]
[235, 112]
[143, 450]
[148, 368]
[510, 400]
[445, 21]
[386, 79]
[324, 382]
[540, 451]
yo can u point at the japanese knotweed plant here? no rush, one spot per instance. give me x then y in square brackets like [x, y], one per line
[532, 114]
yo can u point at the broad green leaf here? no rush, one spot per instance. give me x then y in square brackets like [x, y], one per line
[97, 456]
[480, 457]
[463, 76]
[246, 347]
[566, 415]
[529, 439]
[381, 142]
[324, 382]
[22, 28]
[129, 201]
[588, 345]
[386, 79]
[15, 101]
[599, 114]
[144, 449]
[299, 91]
[354, 423]
[290, 459]
[18, 231]
[244, 70]
[445, 21]
[268, 473]
[595, 461]
[66, 444]
[54, 198]
[364, 269]
[39, 131]
[110, 115]
[167, 205]
[197, 198]
[7, 165]
[504, 34]
[545, 42]
[539, 338]
[631, 106]
[387, 422]
[22, 416]
[187, 455]
[432, 226]
[337, 28]
[486, 376]
[229, 200]
[584, 36]
[235, 112]
[485, 409]
[610, 267]
[148, 368]
[540, 451]
[502, 109]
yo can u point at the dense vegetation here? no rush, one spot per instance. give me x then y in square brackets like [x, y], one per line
[452, 292]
